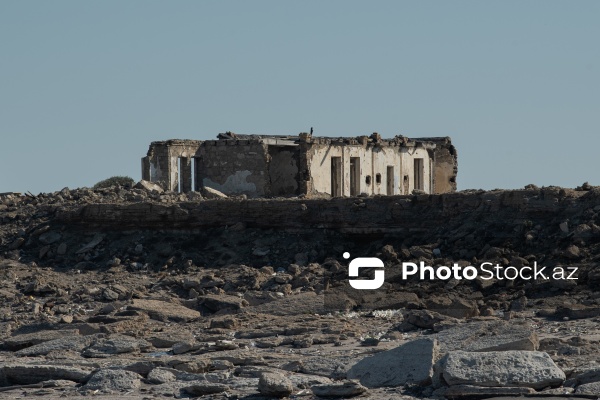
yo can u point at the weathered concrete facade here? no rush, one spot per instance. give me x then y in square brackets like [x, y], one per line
[266, 166]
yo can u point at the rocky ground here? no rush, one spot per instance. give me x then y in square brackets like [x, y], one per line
[246, 312]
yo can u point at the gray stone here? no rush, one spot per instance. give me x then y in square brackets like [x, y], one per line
[344, 389]
[169, 338]
[50, 237]
[161, 375]
[71, 343]
[26, 374]
[203, 388]
[184, 347]
[410, 363]
[330, 367]
[18, 342]
[587, 375]
[274, 384]
[305, 381]
[162, 310]
[458, 391]
[113, 380]
[427, 319]
[96, 240]
[488, 336]
[116, 345]
[62, 249]
[222, 302]
[532, 369]
[592, 388]
[456, 308]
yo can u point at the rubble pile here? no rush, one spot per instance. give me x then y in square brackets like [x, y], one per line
[140, 293]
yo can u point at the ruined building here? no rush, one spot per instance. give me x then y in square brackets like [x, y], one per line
[265, 166]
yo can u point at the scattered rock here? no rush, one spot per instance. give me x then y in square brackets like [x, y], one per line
[223, 302]
[116, 345]
[469, 391]
[274, 384]
[410, 363]
[344, 390]
[162, 310]
[532, 369]
[149, 186]
[161, 375]
[488, 336]
[113, 380]
[49, 237]
[592, 388]
[69, 343]
[26, 374]
[18, 342]
[205, 388]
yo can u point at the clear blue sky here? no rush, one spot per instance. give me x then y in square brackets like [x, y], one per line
[86, 86]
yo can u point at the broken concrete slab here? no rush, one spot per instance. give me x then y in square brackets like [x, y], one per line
[488, 336]
[410, 363]
[532, 369]
[149, 186]
[162, 310]
[211, 193]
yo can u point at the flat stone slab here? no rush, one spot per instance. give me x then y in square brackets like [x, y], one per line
[459, 391]
[18, 342]
[488, 336]
[71, 343]
[532, 369]
[410, 363]
[162, 310]
[117, 344]
[337, 390]
[27, 374]
[592, 388]
[113, 380]
[204, 388]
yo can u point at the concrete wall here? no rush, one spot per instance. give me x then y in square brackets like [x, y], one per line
[261, 167]
[374, 160]
[445, 169]
[408, 155]
[283, 170]
[235, 167]
[162, 160]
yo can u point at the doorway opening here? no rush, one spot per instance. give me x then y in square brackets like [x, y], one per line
[354, 176]
[336, 176]
[419, 183]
